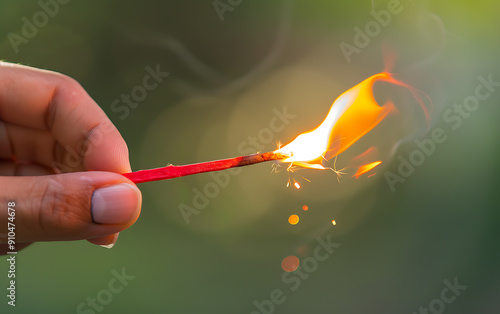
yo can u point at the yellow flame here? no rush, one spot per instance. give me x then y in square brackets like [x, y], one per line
[351, 116]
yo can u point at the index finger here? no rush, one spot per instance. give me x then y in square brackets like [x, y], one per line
[46, 100]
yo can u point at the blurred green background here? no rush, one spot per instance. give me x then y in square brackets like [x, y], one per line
[230, 64]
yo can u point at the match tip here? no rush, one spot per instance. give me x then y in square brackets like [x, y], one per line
[280, 155]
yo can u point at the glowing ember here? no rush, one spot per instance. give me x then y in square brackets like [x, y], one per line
[297, 185]
[352, 115]
[293, 219]
[305, 208]
[290, 263]
[334, 222]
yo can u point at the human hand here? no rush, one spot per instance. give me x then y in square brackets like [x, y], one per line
[51, 134]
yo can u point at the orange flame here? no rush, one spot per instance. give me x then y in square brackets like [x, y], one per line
[366, 168]
[352, 115]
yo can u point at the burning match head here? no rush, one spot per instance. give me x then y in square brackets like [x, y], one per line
[282, 155]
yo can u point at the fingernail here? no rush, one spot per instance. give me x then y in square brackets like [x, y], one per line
[116, 204]
[110, 246]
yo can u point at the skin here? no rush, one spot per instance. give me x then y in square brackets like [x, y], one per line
[51, 134]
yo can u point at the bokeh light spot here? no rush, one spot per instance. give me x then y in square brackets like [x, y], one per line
[290, 263]
[305, 207]
[293, 219]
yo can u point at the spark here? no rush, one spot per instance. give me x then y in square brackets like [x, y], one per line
[275, 167]
[339, 173]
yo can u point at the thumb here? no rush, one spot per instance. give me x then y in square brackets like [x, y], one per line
[70, 206]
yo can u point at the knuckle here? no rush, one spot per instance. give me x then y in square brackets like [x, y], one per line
[60, 209]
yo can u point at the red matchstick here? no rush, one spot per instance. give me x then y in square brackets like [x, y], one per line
[170, 172]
